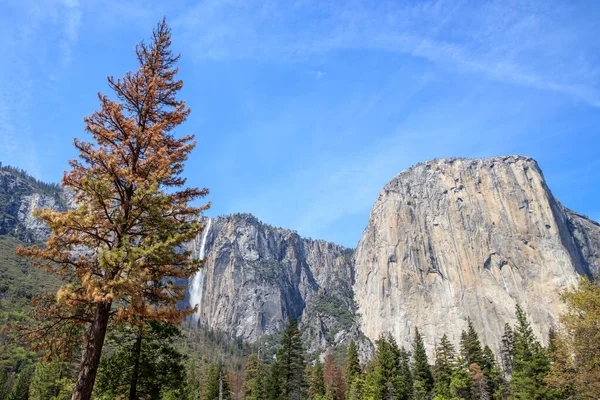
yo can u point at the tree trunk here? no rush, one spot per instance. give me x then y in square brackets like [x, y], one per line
[137, 350]
[91, 353]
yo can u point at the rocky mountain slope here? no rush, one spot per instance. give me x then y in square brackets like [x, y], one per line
[455, 238]
[446, 240]
[256, 277]
[20, 194]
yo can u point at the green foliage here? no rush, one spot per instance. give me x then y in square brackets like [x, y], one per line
[19, 283]
[531, 363]
[421, 371]
[287, 374]
[353, 370]
[5, 383]
[19, 280]
[20, 389]
[356, 390]
[317, 380]
[255, 375]
[493, 374]
[445, 364]
[389, 377]
[470, 345]
[52, 381]
[216, 385]
[405, 380]
[331, 305]
[461, 383]
[161, 365]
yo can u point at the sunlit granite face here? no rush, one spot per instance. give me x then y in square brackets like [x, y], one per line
[455, 238]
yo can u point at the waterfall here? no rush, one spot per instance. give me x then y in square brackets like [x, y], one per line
[197, 283]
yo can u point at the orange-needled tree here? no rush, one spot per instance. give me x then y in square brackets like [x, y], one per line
[121, 248]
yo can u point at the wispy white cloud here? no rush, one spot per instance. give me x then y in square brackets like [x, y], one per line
[528, 44]
[71, 20]
[30, 37]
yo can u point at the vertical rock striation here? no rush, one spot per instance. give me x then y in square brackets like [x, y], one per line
[455, 238]
[446, 240]
[256, 277]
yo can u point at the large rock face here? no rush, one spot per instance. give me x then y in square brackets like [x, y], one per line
[446, 240]
[20, 194]
[256, 277]
[455, 238]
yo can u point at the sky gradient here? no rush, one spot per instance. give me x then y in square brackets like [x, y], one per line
[303, 110]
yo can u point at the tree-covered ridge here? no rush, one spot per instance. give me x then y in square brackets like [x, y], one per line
[36, 185]
[15, 186]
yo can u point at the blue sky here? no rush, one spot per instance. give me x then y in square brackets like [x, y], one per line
[305, 109]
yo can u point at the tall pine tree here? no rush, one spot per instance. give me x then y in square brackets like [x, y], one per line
[287, 378]
[353, 370]
[531, 364]
[470, 346]
[493, 374]
[421, 371]
[119, 251]
[405, 380]
[317, 380]
[445, 365]
[255, 375]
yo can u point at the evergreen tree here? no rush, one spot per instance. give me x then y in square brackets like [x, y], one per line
[255, 375]
[470, 346]
[389, 376]
[531, 363]
[132, 215]
[445, 364]
[20, 389]
[461, 382]
[493, 374]
[274, 384]
[385, 369]
[507, 350]
[289, 382]
[421, 371]
[51, 381]
[317, 380]
[216, 385]
[405, 380]
[4, 383]
[353, 370]
[160, 366]
[356, 390]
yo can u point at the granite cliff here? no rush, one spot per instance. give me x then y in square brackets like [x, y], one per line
[446, 240]
[455, 238]
[256, 277]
